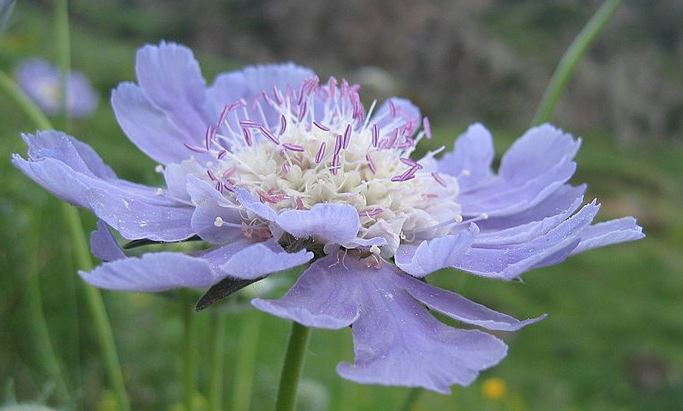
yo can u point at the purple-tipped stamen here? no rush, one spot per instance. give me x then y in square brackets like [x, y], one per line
[269, 135]
[321, 153]
[371, 164]
[195, 148]
[283, 124]
[347, 136]
[375, 135]
[427, 127]
[321, 126]
[438, 178]
[293, 147]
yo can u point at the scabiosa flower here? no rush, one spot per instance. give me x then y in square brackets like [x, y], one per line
[273, 170]
[40, 81]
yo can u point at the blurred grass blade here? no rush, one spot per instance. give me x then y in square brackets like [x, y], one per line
[77, 237]
[40, 335]
[246, 360]
[6, 8]
[217, 361]
[571, 58]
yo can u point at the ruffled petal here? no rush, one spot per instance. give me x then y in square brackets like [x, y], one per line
[152, 272]
[103, 245]
[327, 223]
[461, 309]
[322, 298]
[172, 81]
[249, 82]
[77, 155]
[560, 200]
[253, 205]
[609, 232]
[537, 151]
[150, 128]
[397, 341]
[537, 164]
[398, 111]
[432, 255]
[509, 261]
[471, 158]
[214, 219]
[137, 215]
[260, 259]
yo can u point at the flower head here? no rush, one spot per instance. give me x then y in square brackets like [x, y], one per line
[41, 82]
[274, 169]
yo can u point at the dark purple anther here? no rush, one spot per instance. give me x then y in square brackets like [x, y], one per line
[283, 124]
[293, 147]
[438, 178]
[375, 135]
[321, 153]
[321, 126]
[347, 136]
[269, 135]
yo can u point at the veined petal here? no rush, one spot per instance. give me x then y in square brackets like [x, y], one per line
[432, 255]
[396, 110]
[322, 298]
[609, 232]
[172, 81]
[249, 82]
[150, 128]
[327, 223]
[537, 151]
[260, 259]
[397, 342]
[471, 158]
[510, 261]
[461, 309]
[253, 205]
[214, 219]
[103, 245]
[152, 272]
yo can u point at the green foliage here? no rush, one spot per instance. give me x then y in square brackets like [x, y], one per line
[612, 340]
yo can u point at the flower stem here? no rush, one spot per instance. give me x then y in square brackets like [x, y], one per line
[63, 58]
[10, 88]
[571, 58]
[411, 399]
[40, 333]
[217, 362]
[291, 370]
[61, 17]
[81, 253]
[244, 366]
[189, 359]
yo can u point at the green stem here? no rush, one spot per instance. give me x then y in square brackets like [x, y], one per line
[82, 255]
[244, 365]
[41, 336]
[63, 58]
[411, 399]
[61, 12]
[189, 359]
[570, 59]
[10, 88]
[217, 362]
[291, 370]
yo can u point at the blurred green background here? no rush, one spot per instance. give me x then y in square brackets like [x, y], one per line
[614, 337]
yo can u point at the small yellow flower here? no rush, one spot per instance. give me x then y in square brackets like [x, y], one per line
[494, 388]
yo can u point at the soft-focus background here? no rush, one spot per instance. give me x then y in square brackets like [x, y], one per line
[614, 337]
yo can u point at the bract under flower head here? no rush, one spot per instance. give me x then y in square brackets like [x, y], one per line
[274, 170]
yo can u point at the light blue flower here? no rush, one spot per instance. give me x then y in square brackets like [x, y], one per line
[274, 170]
[41, 82]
